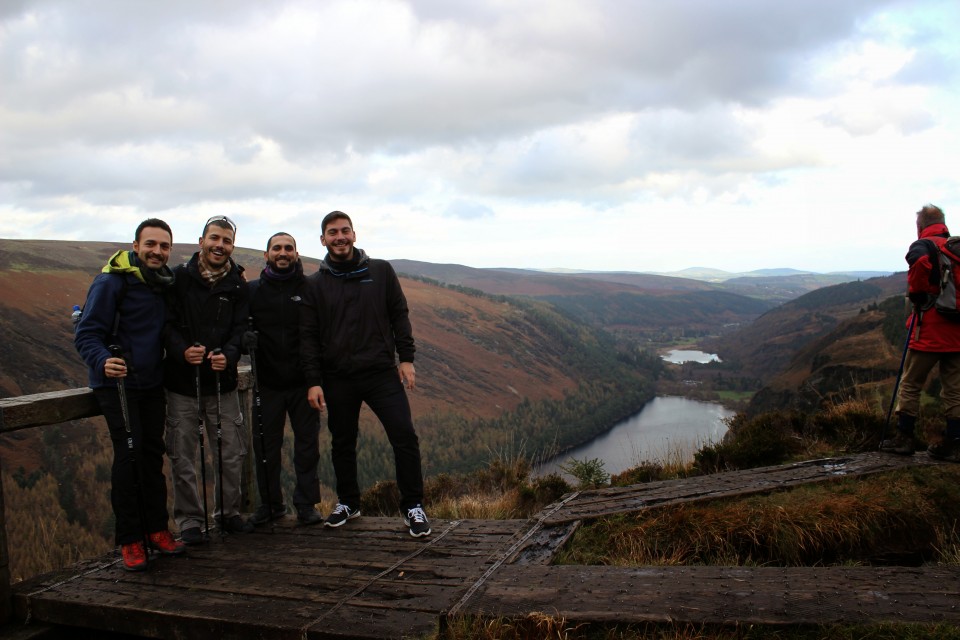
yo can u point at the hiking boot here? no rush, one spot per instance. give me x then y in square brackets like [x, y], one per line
[134, 557]
[902, 444]
[307, 514]
[193, 535]
[948, 449]
[163, 542]
[265, 513]
[236, 524]
[416, 519]
[340, 514]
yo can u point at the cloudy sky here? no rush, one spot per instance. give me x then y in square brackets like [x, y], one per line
[637, 135]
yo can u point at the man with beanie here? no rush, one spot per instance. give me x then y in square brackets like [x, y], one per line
[125, 307]
[208, 316]
[934, 339]
[275, 301]
[354, 327]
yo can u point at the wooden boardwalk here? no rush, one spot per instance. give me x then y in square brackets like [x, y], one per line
[370, 579]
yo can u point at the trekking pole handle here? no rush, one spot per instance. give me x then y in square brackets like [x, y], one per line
[116, 351]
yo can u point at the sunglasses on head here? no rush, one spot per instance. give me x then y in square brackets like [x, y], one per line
[221, 219]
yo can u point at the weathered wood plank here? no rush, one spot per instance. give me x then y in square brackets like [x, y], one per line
[39, 409]
[723, 595]
[611, 501]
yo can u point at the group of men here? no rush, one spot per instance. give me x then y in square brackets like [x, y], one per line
[162, 348]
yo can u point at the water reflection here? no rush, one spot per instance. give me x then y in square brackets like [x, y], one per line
[664, 427]
[679, 356]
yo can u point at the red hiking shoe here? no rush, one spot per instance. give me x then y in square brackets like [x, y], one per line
[134, 558]
[163, 542]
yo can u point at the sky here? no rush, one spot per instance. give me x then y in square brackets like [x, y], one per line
[605, 135]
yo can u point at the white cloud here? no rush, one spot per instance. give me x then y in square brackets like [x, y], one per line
[527, 133]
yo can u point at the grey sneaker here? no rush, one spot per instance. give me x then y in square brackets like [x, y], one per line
[265, 513]
[948, 450]
[416, 519]
[307, 514]
[902, 444]
[236, 524]
[340, 514]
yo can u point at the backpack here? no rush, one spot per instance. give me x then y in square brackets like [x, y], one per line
[78, 313]
[947, 262]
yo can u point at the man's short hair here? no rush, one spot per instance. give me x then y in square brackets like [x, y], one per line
[280, 233]
[928, 215]
[219, 221]
[152, 222]
[334, 215]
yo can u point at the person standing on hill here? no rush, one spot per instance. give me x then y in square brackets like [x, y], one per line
[208, 317]
[935, 339]
[125, 306]
[275, 301]
[354, 326]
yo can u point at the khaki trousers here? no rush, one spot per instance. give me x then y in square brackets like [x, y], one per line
[183, 446]
[916, 369]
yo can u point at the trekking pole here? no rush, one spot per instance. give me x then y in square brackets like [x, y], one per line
[896, 386]
[223, 516]
[251, 345]
[117, 352]
[203, 455]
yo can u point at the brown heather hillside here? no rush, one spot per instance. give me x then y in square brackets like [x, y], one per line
[765, 347]
[474, 355]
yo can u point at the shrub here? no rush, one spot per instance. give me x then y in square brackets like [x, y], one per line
[590, 474]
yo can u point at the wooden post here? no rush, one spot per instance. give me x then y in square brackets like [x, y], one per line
[6, 604]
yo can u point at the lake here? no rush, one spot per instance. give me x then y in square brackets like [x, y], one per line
[679, 356]
[663, 427]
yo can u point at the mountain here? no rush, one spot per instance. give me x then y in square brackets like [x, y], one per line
[644, 306]
[833, 340]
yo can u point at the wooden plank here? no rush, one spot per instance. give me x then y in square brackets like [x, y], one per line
[723, 595]
[610, 501]
[39, 409]
[544, 545]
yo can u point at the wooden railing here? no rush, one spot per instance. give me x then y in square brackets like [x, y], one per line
[55, 407]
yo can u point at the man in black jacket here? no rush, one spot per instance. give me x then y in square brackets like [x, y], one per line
[275, 311]
[208, 317]
[354, 325]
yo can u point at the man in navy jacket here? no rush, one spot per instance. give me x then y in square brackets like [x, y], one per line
[125, 307]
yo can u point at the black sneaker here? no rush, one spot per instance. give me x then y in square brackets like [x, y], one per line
[340, 514]
[192, 535]
[948, 450]
[902, 444]
[265, 514]
[236, 524]
[416, 519]
[307, 514]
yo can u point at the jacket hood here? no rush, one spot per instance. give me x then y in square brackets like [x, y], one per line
[937, 229]
[123, 262]
[127, 262]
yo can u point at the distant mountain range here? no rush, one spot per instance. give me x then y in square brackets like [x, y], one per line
[708, 274]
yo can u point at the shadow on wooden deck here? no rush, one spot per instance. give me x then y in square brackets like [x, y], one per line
[370, 579]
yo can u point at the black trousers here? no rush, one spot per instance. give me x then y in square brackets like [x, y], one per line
[385, 395]
[143, 466]
[275, 405]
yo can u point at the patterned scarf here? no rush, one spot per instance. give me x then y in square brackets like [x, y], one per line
[210, 274]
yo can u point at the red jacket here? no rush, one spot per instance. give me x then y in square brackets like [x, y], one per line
[932, 331]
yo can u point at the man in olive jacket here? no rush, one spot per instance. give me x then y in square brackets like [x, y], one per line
[354, 326]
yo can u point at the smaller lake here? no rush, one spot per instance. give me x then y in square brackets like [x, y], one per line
[679, 356]
[665, 426]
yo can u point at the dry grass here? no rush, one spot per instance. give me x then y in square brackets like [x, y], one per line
[907, 517]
